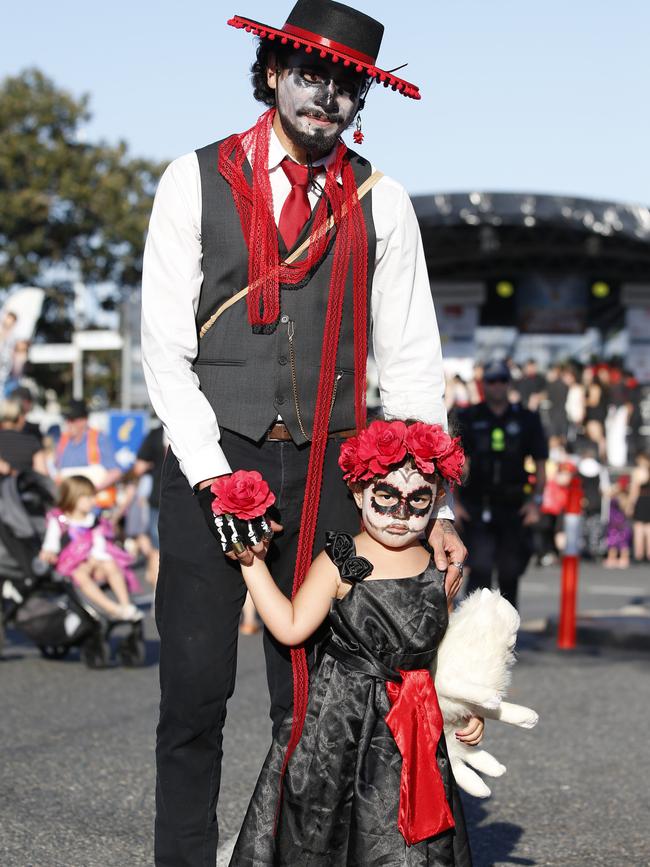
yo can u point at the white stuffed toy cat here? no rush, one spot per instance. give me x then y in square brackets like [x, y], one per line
[472, 674]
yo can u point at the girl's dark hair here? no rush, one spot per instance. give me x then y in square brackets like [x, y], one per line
[261, 91]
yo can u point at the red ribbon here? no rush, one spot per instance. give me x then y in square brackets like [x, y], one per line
[415, 721]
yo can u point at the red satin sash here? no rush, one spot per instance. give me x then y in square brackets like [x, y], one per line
[415, 721]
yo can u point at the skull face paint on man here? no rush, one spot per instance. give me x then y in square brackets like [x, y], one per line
[396, 508]
[316, 101]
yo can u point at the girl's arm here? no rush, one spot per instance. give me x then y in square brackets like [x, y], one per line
[39, 464]
[52, 542]
[98, 550]
[293, 622]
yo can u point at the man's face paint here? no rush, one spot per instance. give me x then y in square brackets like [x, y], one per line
[396, 508]
[316, 101]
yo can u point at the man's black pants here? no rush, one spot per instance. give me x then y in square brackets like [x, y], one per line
[199, 598]
[502, 544]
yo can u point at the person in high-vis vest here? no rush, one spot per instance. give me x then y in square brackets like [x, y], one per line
[500, 500]
[84, 451]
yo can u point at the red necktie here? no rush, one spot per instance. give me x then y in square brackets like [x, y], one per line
[296, 209]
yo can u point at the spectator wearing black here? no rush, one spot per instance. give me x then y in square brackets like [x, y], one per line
[150, 459]
[595, 482]
[24, 397]
[498, 505]
[554, 409]
[19, 450]
[531, 386]
[596, 404]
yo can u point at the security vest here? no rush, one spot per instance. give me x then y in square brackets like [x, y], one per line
[251, 379]
[497, 447]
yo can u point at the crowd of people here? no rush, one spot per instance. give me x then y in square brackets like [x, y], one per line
[588, 414]
[591, 418]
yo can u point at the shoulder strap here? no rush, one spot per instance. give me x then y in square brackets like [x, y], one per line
[364, 188]
[341, 551]
[92, 445]
[63, 442]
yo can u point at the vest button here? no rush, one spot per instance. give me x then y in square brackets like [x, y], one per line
[282, 359]
[279, 399]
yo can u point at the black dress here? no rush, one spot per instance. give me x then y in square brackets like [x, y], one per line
[342, 786]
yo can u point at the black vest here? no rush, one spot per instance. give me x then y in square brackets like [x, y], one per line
[246, 376]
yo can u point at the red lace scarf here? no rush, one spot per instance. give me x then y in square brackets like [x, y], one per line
[266, 273]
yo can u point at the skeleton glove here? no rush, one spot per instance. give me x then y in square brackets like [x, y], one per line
[235, 510]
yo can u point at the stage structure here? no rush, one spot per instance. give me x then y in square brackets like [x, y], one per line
[550, 277]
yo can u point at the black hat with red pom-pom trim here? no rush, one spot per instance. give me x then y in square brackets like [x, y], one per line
[333, 31]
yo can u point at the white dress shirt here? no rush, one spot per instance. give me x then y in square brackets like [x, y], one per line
[405, 338]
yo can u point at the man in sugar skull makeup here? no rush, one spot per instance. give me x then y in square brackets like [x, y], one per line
[270, 254]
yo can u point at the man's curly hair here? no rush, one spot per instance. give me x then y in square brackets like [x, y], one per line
[261, 90]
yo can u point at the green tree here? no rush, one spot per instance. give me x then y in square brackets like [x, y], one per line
[69, 209]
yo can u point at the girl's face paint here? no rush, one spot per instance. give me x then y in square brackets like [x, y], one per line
[396, 508]
[316, 101]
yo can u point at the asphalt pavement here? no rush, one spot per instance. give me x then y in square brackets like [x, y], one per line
[77, 776]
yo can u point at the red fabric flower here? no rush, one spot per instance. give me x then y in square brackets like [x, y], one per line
[450, 465]
[382, 445]
[353, 469]
[244, 494]
[427, 442]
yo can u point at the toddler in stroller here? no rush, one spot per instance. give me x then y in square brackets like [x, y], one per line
[40, 602]
[80, 546]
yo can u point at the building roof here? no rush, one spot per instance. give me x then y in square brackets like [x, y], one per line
[470, 235]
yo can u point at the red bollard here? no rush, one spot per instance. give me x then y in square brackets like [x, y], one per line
[566, 633]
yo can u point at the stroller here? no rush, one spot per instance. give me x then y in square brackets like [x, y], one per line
[37, 601]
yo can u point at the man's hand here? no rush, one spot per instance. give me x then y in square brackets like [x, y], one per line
[449, 554]
[262, 528]
[232, 533]
[529, 513]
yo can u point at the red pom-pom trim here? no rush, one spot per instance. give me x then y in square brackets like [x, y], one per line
[385, 78]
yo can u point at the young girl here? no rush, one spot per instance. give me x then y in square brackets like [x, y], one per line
[369, 781]
[619, 531]
[81, 547]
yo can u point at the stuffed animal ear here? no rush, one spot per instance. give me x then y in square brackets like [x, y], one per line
[462, 756]
[484, 762]
[514, 714]
[467, 692]
[468, 780]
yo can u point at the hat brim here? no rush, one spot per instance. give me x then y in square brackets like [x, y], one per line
[336, 53]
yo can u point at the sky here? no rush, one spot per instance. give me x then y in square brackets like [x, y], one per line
[517, 95]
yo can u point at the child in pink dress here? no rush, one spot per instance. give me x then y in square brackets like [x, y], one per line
[80, 546]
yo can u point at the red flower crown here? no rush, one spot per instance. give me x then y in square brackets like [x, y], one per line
[385, 444]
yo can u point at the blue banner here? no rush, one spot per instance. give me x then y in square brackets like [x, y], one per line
[126, 431]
